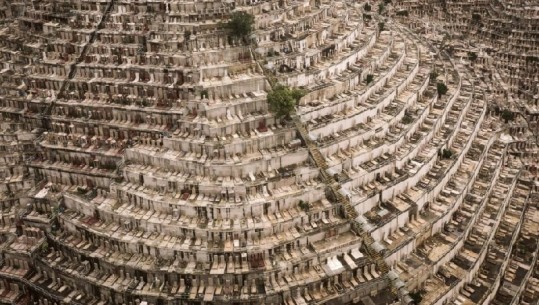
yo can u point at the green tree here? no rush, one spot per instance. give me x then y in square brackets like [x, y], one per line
[241, 24]
[442, 88]
[282, 100]
[297, 94]
[507, 115]
[472, 56]
[370, 78]
[381, 26]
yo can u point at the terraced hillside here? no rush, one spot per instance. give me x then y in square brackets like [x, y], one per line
[497, 41]
[141, 163]
[498, 38]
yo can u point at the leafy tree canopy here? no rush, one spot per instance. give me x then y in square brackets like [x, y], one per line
[282, 100]
[241, 24]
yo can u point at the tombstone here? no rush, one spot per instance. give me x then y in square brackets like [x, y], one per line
[227, 286]
[157, 283]
[87, 267]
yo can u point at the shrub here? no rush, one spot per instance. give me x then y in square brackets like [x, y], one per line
[433, 76]
[507, 115]
[447, 153]
[44, 247]
[303, 205]
[442, 88]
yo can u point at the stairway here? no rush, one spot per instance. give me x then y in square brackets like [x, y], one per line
[350, 213]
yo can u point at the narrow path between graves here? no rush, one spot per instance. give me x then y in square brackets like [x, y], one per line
[73, 67]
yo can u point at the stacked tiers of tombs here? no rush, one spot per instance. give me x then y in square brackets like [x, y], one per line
[498, 38]
[498, 41]
[142, 164]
